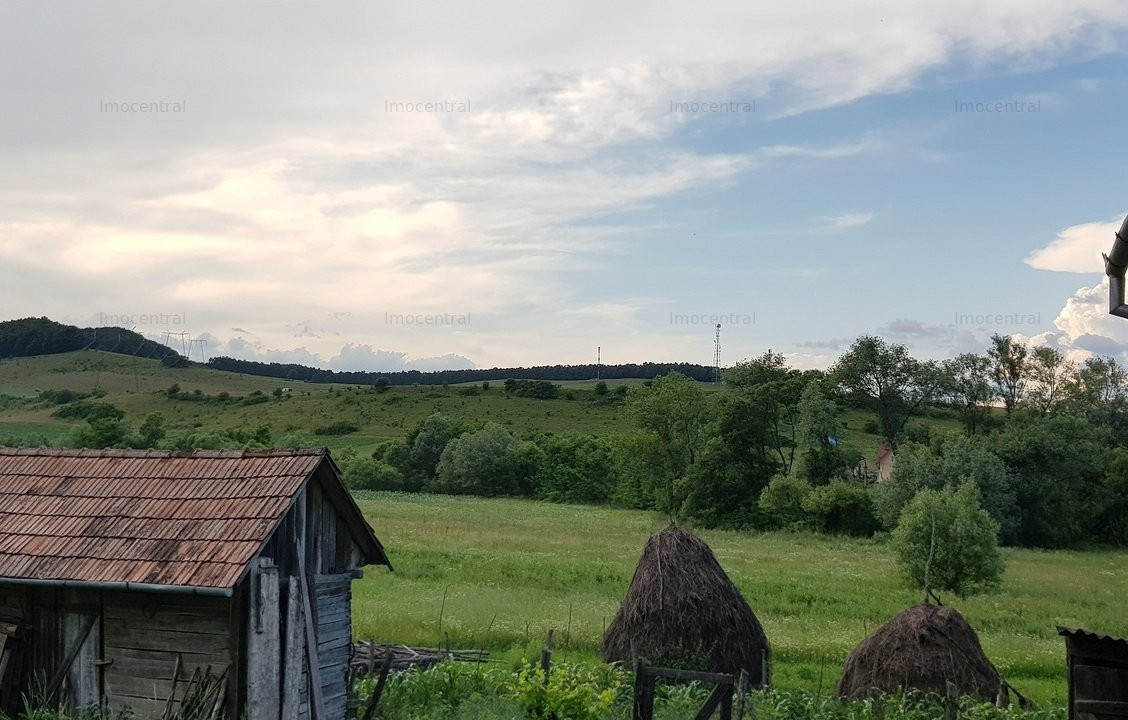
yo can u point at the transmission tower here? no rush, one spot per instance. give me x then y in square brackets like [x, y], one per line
[717, 356]
[203, 343]
[598, 351]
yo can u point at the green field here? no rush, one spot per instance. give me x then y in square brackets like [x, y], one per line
[137, 386]
[512, 569]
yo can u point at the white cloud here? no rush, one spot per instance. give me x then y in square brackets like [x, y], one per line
[845, 221]
[1077, 248]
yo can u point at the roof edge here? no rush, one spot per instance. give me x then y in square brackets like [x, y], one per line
[121, 585]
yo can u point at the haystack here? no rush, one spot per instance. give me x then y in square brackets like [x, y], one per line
[682, 610]
[923, 648]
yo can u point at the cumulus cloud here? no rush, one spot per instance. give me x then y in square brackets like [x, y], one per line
[1077, 248]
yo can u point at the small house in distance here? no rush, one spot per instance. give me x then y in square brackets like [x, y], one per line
[124, 573]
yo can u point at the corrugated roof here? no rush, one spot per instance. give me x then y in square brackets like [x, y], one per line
[1089, 635]
[143, 516]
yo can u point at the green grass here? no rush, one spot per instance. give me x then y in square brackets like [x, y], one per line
[137, 386]
[512, 569]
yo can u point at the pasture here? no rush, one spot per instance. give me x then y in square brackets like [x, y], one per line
[511, 569]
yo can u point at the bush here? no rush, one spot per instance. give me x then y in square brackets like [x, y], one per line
[370, 474]
[782, 501]
[337, 428]
[842, 508]
[90, 411]
[576, 692]
[945, 540]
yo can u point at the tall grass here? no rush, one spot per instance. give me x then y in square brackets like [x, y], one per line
[512, 569]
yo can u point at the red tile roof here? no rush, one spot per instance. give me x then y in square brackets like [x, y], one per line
[143, 516]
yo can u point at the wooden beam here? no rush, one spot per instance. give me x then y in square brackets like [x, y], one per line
[294, 650]
[264, 652]
[317, 703]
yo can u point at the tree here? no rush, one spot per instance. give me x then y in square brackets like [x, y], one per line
[946, 541]
[886, 379]
[675, 410]
[488, 462]
[772, 389]
[951, 460]
[1099, 392]
[1050, 375]
[576, 469]
[427, 440]
[967, 383]
[1008, 369]
[1058, 467]
[152, 430]
[819, 434]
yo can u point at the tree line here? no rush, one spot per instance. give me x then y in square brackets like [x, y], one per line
[305, 373]
[1044, 446]
[42, 336]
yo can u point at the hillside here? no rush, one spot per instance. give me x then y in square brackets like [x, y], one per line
[138, 386]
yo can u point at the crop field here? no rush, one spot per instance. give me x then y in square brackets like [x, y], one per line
[497, 574]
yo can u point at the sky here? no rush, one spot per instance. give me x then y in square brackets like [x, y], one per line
[391, 185]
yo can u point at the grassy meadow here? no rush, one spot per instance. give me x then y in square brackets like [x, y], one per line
[511, 569]
[137, 386]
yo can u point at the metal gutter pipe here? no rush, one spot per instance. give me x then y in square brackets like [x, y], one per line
[123, 586]
[1116, 264]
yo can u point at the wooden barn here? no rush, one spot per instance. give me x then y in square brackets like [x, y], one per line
[1098, 675]
[127, 577]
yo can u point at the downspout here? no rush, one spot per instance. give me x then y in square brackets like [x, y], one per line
[1116, 264]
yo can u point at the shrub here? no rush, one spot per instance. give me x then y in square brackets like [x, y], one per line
[946, 540]
[842, 508]
[338, 428]
[370, 474]
[782, 501]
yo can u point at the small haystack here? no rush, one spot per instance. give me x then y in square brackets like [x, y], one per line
[923, 648]
[682, 610]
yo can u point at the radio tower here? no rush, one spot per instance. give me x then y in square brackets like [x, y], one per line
[717, 356]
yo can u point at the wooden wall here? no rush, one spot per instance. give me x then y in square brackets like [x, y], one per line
[143, 634]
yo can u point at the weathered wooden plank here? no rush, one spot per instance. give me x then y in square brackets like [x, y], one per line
[314, 673]
[160, 664]
[264, 644]
[293, 653]
[168, 640]
[194, 624]
[81, 631]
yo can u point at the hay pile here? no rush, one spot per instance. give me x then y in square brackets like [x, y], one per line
[682, 610]
[923, 648]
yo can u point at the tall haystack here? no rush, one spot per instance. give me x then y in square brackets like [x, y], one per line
[682, 610]
[923, 648]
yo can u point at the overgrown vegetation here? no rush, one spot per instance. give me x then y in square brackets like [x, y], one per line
[600, 692]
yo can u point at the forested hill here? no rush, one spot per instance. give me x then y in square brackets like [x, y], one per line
[42, 336]
[438, 377]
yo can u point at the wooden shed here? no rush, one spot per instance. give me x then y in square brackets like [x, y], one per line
[1098, 675]
[123, 573]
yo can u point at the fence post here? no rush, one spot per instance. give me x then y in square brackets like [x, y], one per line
[546, 657]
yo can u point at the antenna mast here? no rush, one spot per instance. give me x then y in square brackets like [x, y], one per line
[717, 356]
